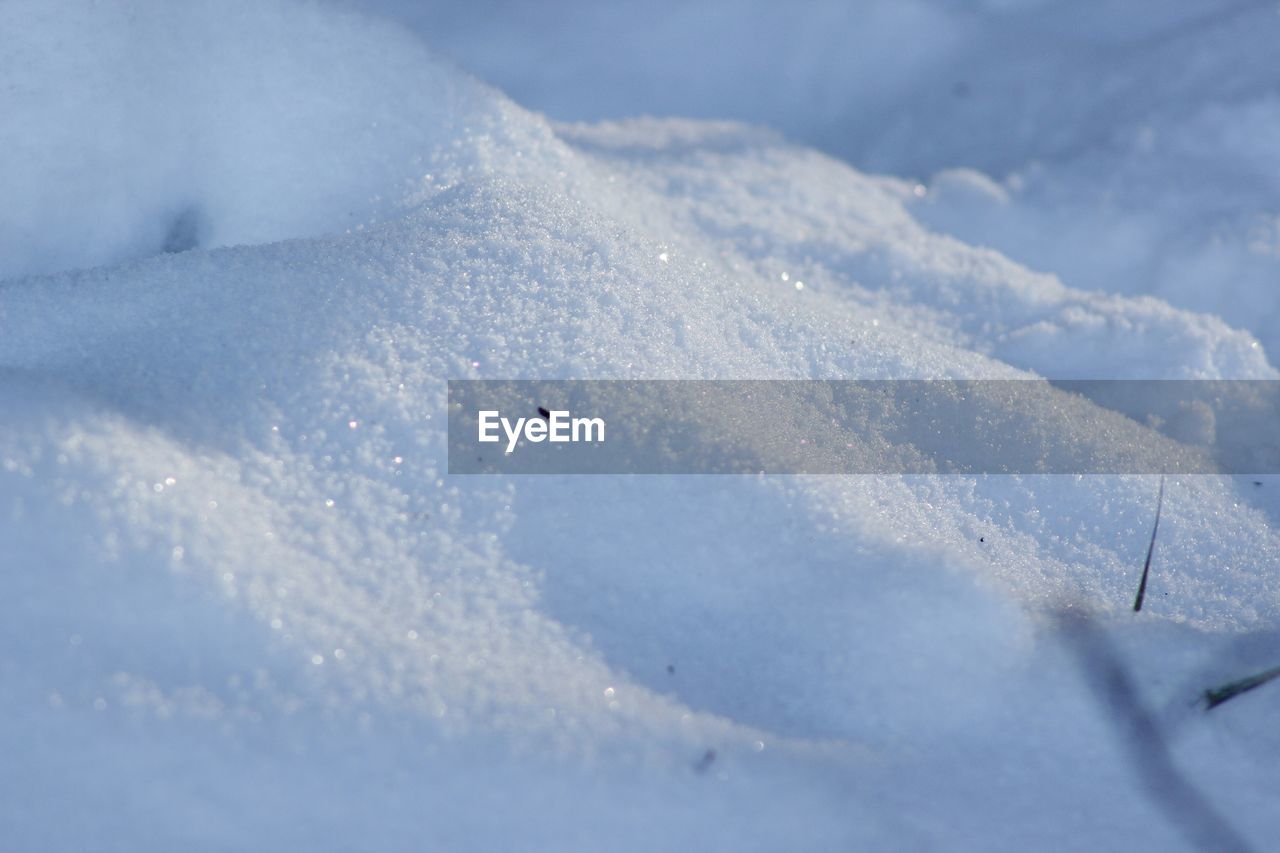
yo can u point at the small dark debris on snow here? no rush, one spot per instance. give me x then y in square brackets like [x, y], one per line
[1151, 547]
[542, 410]
[1215, 696]
[184, 231]
[703, 764]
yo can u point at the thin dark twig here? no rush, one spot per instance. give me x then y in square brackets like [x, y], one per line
[1151, 548]
[1217, 695]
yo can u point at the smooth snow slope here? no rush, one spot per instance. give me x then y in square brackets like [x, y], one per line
[246, 607]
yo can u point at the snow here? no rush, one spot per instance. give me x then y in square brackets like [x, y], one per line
[247, 608]
[1134, 146]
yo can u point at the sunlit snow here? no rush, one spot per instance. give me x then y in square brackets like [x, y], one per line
[243, 245]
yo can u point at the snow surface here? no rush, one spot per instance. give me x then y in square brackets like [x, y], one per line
[1127, 147]
[246, 608]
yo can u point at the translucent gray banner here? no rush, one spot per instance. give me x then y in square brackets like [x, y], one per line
[864, 427]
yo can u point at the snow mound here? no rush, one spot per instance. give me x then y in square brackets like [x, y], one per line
[249, 607]
[1134, 148]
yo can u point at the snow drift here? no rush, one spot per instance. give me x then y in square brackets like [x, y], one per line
[247, 607]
